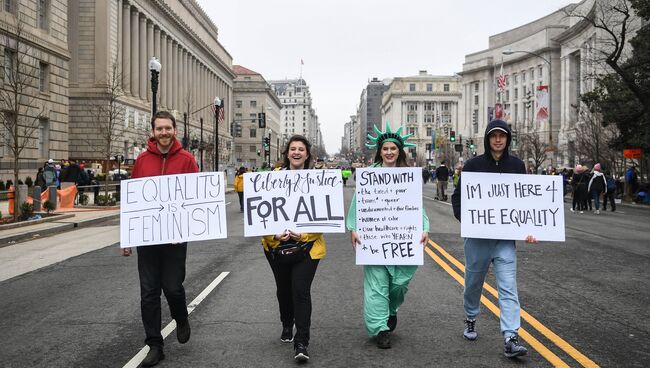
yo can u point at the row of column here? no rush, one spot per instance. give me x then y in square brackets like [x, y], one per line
[185, 83]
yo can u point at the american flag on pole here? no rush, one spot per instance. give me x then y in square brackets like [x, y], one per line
[501, 80]
[220, 118]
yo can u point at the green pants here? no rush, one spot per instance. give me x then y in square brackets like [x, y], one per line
[384, 288]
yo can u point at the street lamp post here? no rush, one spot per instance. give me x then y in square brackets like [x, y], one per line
[215, 108]
[550, 89]
[154, 67]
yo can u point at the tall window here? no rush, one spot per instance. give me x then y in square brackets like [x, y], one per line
[445, 87]
[516, 91]
[44, 78]
[9, 65]
[475, 87]
[43, 13]
[253, 118]
[412, 87]
[253, 103]
[412, 107]
[428, 106]
[10, 6]
[8, 141]
[238, 104]
[429, 131]
[445, 106]
[44, 138]
[429, 87]
[412, 130]
[253, 133]
[475, 99]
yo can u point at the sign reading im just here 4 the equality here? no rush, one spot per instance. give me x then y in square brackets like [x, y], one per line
[304, 201]
[389, 216]
[512, 206]
[172, 209]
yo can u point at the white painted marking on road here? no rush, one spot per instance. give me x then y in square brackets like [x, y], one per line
[139, 357]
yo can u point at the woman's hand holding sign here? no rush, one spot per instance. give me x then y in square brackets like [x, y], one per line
[355, 240]
[531, 239]
[425, 238]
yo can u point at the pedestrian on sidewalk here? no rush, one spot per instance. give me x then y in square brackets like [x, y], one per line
[442, 175]
[239, 186]
[610, 193]
[579, 184]
[597, 186]
[384, 286]
[479, 253]
[294, 258]
[162, 267]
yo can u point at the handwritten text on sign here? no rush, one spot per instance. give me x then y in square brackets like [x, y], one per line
[172, 209]
[303, 201]
[389, 216]
[512, 206]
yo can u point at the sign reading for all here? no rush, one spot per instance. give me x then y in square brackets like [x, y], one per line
[512, 206]
[172, 209]
[389, 216]
[299, 200]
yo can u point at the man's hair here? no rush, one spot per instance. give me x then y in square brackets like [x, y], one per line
[162, 115]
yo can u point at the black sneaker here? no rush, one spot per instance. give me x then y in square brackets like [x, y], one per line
[154, 356]
[287, 334]
[392, 323]
[183, 331]
[383, 340]
[512, 348]
[301, 354]
[470, 330]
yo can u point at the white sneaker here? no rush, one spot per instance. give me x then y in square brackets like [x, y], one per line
[597, 212]
[572, 210]
[582, 211]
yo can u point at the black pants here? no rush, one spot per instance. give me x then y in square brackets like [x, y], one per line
[161, 267]
[241, 200]
[293, 284]
[609, 196]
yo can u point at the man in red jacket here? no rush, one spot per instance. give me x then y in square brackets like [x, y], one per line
[162, 266]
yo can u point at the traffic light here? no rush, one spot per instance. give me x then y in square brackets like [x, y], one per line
[267, 144]
[261, 119]
[471, 144]
[452, 136]
[259, 153]
[475, 117]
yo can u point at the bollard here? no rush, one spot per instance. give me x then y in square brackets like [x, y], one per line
[36, 195]
[53, 195]
[22, 196]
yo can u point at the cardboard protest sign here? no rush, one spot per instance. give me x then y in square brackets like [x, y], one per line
[389, 216]
[172, 209]
[304, 201]
[512, 206]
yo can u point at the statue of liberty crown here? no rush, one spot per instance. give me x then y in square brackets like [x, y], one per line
[389, 136]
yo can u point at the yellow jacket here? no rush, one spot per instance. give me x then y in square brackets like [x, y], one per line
[239, 183]
[318, 250]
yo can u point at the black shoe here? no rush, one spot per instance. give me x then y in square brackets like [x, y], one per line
[383, 340]
[470, 330]
[301, 354]
[512, 348]
[287, 334]
[154, 356]
[183, 331]
[392, 323]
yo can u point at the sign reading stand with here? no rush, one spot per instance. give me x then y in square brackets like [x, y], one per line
[389, 216]
[172, 209]
[304, 201]
[512, 206]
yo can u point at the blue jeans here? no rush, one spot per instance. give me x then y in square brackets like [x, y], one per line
[479, 253]
[596, 196]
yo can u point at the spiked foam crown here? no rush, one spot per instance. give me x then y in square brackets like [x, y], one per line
[389, 136]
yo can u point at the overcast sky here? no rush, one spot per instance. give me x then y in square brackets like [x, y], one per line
[346, 43]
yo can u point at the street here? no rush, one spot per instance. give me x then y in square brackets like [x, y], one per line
[584, 302]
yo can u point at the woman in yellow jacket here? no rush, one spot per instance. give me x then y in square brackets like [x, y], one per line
[239, 186]
[293, 281]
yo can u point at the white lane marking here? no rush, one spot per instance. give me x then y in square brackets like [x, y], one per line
[227, 203]
[139, 357]
[435, 200]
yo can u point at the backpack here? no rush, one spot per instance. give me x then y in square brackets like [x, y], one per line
[84, 178]
[611, 184]
[49, 175]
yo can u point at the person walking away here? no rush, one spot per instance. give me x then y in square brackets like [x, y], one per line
[40, 180]
[162, 267]
[384, 286]
[239, 186]
[480, 253]
[442, 175]
[597, 186]
[293, 279]
[610, 193]
[579, 182]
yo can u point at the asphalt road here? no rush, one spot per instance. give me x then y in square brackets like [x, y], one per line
[585, 302]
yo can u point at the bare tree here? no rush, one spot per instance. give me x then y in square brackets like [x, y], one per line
[21, 109]
[593, 139]
[108, 113]
[533, 147]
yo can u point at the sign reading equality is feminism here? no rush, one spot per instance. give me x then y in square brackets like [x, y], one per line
[389, 216]
[304, 201]
[172, 209]
[512, 206]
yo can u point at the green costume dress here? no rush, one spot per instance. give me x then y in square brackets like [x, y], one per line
[384, 287]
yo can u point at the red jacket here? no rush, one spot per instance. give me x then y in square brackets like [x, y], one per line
[153, 163]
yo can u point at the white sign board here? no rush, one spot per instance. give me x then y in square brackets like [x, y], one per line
[172, 209]
[512, 206]
[304, 201]
[389, 216]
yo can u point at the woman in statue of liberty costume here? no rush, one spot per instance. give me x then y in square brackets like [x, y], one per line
[384, 287]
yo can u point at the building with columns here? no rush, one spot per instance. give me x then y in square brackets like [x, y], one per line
[426, 105]
[253, 95]
[38, 66]
[112, 41]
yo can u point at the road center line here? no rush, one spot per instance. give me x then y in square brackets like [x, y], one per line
[139, 357]
[552, 336]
